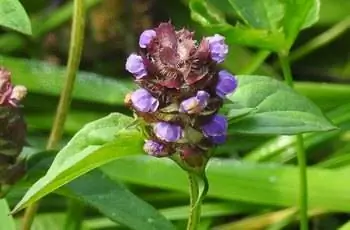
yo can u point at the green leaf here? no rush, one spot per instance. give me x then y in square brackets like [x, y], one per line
[205, 13]
[43, 221]
[6, 220]
[325, 95]
[210, 18]
[116, 202]
[269, 184]
[262, 39]
[45, 78]
[42, 23]
[299, 14]
[13, 16]
[259, 14]
[313, 15]
[279, 109]
[281, 148]
[96, 144]
[236, 111]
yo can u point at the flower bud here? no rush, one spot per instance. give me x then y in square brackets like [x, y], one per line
[18, 93]
[195, 104]
[134, 64]
[154, 148]
[143, 101]
[216, 129]
[227, 83]
[218, 48]
[194, 157]
[146, 37]
[168, 132]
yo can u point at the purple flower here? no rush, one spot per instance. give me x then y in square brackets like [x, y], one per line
[154, 148]
[216, 129]
[143, 101]
[227, 83]
[146, 37]
[195, 104]
[218, 48]
[167, 132]
[218, 139]
[134, 64]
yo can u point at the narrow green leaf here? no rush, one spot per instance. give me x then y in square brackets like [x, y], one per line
[6, 220]
[75, 121]
[259, 14]
[46, 221]
[325, 95]
[299, 14]
[96, 144]
[13, 16]
[271, 184]
[181, 213]
[116, 202]
[45, 78]
[279, 110]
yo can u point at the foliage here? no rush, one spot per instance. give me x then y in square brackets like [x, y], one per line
[98, 176]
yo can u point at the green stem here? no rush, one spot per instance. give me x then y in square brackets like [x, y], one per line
[318, 41]
[303, 205]
[287, 73]
[75, 50]
[259, 58]
[75, 214]
[195, 208]
[321, 40]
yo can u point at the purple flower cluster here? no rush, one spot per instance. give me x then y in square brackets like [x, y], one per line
[181, 90]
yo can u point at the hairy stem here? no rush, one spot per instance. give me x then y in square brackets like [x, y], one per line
[303, 205]
[195, 208]
[75, 50]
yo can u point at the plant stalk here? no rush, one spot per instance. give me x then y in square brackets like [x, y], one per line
[74, 216]
[319, 41]
[75, 50]
[303, 194]
[256, 62]
[195, 208]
